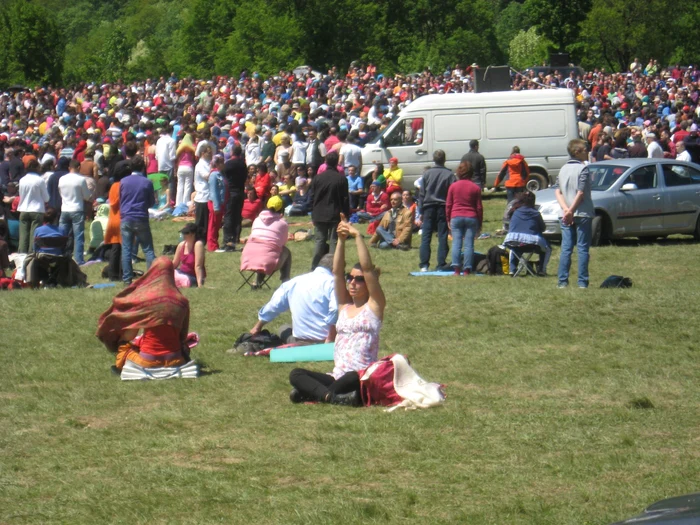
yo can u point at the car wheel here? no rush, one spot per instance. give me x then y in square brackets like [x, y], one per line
[696, 233]
[597, 230]
[536, 182]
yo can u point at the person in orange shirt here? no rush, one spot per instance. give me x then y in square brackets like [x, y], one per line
[515, 171]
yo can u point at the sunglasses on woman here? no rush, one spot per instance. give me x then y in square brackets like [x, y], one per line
[358, 278]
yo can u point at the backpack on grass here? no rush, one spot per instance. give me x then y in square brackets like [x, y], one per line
[617, 281]
[248, 342]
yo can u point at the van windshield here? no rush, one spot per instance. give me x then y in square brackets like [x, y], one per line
[383, 132]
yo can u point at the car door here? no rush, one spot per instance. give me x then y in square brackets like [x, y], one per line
[682, 197]
[640, 210]
[407, 141]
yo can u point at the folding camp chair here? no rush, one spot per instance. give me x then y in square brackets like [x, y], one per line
[523, 253]
[250, 278]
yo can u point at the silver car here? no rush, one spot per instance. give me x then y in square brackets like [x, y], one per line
[645, 198]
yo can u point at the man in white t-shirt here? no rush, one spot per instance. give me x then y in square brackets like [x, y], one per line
[654, 150]
[351, 153]
[74, 194]
[33, 197]
[165, 155]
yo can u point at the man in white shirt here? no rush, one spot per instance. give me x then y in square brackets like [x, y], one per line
[654, 150]
[33, 197]
[682, 153]
[310, 298]
[165, 155]
[74, 194]
[351, 153]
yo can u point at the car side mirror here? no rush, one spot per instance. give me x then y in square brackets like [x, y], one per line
[381, 142]
[629, 187]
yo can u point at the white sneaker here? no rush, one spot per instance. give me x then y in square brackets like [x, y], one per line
[425, 269]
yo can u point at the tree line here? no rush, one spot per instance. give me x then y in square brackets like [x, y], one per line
[52, 41]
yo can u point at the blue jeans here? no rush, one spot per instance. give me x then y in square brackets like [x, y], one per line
[463, 232]
[72, 223]
[434, 220]
[579, 234]
[387, 238]
[140, 231]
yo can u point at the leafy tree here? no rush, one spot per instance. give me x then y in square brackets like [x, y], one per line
[528, 48]
[509, 22]
[115, 54]
[255, 42]
[686, 35]
[615, 31]
[558, 20]
[34, 45]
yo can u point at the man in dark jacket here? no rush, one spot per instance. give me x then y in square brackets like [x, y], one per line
[478, 162]
[235, 173]
[432, 198]
[329, 198]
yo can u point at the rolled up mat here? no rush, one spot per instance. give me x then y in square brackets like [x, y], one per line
[296, 354]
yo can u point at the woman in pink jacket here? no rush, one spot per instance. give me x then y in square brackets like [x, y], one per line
[265, 251]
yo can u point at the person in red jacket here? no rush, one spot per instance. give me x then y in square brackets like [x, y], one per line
[515, 171]
[263, 182]
[377, 203]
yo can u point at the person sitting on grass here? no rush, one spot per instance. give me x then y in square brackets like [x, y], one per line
[189, 259]
[265, 248]
[395, 227]
[154, 305]
[310, 298]
[526, 227]
[361, 305]
[377, 203]
[49, 238]
[252, 206]
[301, 204]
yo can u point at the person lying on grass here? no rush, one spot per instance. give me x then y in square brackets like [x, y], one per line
[361, 305]
[152, 304]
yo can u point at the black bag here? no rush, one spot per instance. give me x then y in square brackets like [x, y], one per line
[494, 259]
[481, 263]
[248, 342]
[617, 281]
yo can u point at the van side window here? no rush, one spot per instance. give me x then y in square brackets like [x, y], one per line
[408, 132]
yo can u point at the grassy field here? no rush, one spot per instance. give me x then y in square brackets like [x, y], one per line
[564, 406]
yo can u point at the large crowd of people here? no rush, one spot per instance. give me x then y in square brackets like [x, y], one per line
[218, 149]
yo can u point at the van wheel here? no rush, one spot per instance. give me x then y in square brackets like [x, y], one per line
[536, 182]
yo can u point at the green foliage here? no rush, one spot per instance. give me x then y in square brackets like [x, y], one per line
[100, 40]
[33, 44]
[263, 40]
[528, 48]
[510, 21]
[558, 20]
[615, 31]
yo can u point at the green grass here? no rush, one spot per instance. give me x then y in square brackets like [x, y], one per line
[564, 406]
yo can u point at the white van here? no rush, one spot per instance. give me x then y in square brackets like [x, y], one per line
[540, 122]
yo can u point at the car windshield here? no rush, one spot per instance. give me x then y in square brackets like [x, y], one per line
[602, 177]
